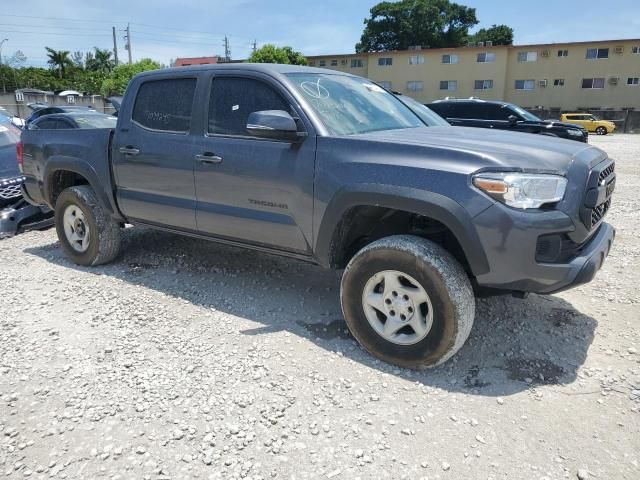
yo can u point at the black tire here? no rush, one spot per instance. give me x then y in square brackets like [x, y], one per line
[438, 273]
[104, 232]
[601, 131]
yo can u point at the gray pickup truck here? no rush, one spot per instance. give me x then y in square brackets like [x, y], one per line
[332, 169]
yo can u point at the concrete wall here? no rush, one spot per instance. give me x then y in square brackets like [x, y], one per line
[622, 63]
[20, 109]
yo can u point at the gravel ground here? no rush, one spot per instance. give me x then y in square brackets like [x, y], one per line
[187, 359]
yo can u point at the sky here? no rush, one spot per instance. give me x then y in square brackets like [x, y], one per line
[164, 29]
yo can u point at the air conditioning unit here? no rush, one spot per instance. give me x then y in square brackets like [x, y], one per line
[488, 43]
[481, 44]
[614, 80]
[545, 53]
[619, 50]
[543, 83]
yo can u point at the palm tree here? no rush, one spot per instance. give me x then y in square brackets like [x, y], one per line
[99, 61]
[59, 59]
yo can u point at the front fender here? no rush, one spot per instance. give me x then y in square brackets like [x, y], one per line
[432, 205]
[101, 186]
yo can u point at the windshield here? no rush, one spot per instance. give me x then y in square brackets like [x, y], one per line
[96, 121]
[524, 114]
[351, 105]
[428, 116]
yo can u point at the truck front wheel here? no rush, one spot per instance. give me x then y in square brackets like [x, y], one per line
[407, 301]
[89, 236]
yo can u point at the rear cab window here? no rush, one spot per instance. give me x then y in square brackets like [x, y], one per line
[165, 105]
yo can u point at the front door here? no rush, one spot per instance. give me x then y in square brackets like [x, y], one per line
[250, 189]
[153, 155]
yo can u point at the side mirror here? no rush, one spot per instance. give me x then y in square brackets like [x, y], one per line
[274, 124]
[512, 120]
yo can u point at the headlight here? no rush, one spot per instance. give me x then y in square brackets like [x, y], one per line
[575, 133]
[522, 190]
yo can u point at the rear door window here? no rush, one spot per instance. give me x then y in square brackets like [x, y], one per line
[234, 98]
[165, 105]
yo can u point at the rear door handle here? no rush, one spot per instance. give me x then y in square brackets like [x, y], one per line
[208, 158]
[129, 150]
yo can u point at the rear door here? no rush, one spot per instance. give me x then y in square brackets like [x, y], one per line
[250, 189]
[153, 156]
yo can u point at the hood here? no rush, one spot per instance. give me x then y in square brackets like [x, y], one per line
[556, 123]
[471, 149]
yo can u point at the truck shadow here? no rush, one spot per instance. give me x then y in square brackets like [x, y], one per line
[514, 346]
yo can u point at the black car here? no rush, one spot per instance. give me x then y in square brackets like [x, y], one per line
[16, 215]
[42, 109]
[474, 112]
[75, 119]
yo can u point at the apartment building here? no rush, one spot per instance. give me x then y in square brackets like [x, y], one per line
[563, 76]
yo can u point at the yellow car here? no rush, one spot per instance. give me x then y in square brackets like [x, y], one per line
[590, 122]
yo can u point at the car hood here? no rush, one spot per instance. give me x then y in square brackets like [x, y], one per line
[555, 123]
[470, 149]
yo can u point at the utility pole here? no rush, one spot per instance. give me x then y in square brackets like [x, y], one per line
[127, 46]
[2, 43]
[115, 46]
[227, 49]
[255, 46]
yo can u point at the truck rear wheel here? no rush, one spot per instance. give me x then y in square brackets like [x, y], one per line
[89, 236]
[407, 301]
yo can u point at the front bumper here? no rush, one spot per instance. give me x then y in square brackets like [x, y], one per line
[511, 238]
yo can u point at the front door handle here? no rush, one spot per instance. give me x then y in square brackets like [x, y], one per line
[209, 158]
[129, 150]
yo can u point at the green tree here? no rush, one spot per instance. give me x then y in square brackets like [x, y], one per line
[498, 34]
[99, 61]
[59, 60]
[116, 82]
[271, 54]
[427, 23]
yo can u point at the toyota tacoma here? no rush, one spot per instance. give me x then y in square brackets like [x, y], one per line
[332, 169]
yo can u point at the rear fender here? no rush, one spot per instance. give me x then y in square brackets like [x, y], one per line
[102, 187]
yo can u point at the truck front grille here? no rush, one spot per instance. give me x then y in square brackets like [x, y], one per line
[10, 189]
[597, 200]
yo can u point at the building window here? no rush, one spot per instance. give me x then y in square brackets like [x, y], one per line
[527, 56]
[593, 83]
[416, 59]
[450, 59]
[448, 84]
[322, 63]
[594, 53]
[356, 63]
[525, 84]
[385, 61]
[487, 57]
[384, 84]
[558, 82]
[312, 63]
[635, 50]
[343, 62]
[415, 86]
[483, 85]
[563, 53]
[633, 81]
[334, 63]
